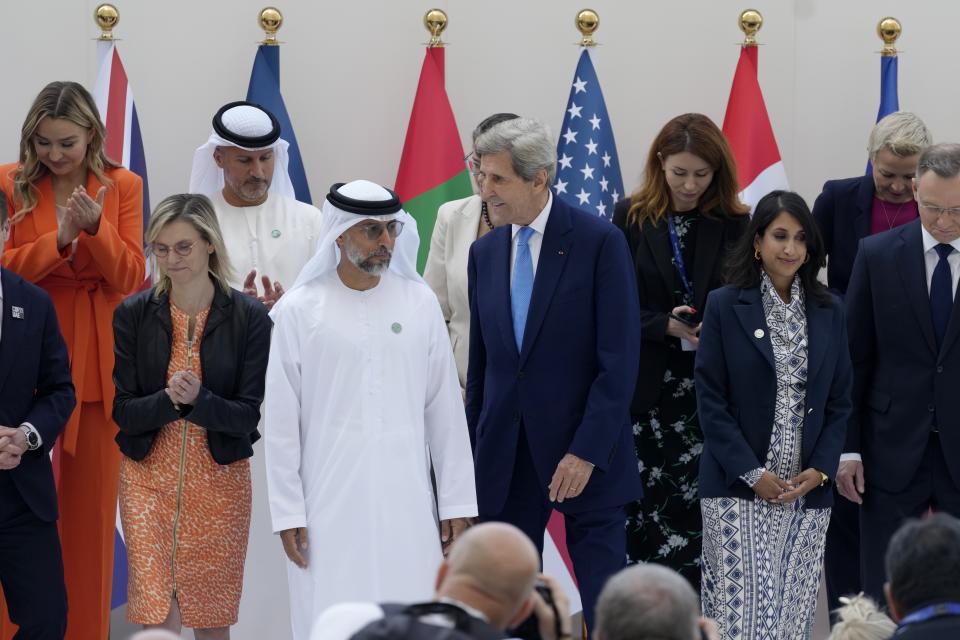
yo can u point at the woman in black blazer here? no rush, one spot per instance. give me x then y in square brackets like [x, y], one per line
[678, 224]
[773, 379]
[191, 356]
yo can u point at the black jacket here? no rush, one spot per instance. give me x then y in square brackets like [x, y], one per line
[652, 255]
[233, 361]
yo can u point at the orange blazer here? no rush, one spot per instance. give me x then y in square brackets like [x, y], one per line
[105, 268]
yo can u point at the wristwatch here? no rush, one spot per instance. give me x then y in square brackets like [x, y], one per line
[33, 438]
[824, 478]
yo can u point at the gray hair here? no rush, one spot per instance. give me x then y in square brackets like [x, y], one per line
[901, 133]
[943, 159]
[647, 600]
[859, 619]
[530, 145]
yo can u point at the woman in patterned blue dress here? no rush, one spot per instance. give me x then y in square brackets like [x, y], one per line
[680, 224]
[773, 380]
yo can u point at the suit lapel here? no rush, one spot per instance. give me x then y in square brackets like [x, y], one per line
[11, 335]
[819, 319]
[658, 240]
[913, 275]
[709, 237]
[861, 223]
[554, 254]
[953, 327]
[500, 278]
[754, 322]
[220, 310]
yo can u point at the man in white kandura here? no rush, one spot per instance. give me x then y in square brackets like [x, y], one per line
[242, 168]
[362, 400]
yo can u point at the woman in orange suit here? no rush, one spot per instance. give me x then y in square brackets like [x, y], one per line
[77, 233]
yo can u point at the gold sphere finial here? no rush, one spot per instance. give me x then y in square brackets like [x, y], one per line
[750, 22]
[435, 21]
[889, 30]
[270, 20]
[106, 16]
[587, 22]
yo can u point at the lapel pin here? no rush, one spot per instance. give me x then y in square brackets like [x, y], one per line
[275, 233]
[17, 312]
[758, 334]
[396, 328]
[560, 252]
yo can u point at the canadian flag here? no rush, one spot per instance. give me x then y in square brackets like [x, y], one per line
[747, 127]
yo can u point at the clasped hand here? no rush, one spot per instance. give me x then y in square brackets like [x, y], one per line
[271, 292]
[82, 214]
[13, 444]
[774, 489]
[183, 388]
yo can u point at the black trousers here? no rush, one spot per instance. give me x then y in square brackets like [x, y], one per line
[841, 558]
[883, 512]
[31, 568]
[596, 539]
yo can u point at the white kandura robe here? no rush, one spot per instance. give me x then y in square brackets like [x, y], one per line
[359, 385]
[276, 238]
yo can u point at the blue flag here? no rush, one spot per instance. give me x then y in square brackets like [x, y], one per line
[588, 168]
[264, 90]
[889, 100]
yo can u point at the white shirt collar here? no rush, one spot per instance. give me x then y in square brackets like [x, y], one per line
[929, 242]
[540, 222]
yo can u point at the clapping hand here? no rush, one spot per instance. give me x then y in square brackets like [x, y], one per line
[183, 388]
[271, 292]
[84, 210]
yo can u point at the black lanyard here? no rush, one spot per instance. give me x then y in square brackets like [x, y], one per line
[678, 255]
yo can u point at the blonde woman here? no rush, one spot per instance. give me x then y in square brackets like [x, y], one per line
[191, 356]
[76, 232]
[859, 619]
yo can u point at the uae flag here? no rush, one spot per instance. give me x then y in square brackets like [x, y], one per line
[432, 169]
[747, 127]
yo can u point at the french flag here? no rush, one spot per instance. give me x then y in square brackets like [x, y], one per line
[747, 128]
[124, 144]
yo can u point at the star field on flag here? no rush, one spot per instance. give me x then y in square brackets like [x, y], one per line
[588, 168]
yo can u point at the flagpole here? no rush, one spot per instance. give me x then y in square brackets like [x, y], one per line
[107, 17]
[435, 21]
[587, 22]
[270, 20]
[750, 22]
[889, 30]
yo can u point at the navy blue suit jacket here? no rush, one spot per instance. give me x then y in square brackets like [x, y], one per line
[842, 212]
[571, 383]
[737, 389]
[35, 386]
[902, 384]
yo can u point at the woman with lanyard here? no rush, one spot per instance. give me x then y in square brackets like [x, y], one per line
[678, 224]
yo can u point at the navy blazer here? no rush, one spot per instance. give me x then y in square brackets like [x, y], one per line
[737, 390]
[902, 384]
[842, 211]
[35, 385]
[571, 383]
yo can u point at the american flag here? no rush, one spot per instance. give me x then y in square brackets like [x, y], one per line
[588, 168]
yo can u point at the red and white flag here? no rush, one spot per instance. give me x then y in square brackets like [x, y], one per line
[747, 127]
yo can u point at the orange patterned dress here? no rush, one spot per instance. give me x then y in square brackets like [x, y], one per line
[185, 517]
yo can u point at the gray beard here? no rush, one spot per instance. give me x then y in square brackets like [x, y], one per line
[364, 262]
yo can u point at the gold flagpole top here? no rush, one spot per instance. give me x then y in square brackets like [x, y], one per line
[435, 22]
[270, 20]
[889, 30]
[106, 16]
[750, 22]
[587, 22]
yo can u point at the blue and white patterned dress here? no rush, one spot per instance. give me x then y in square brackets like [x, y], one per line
[762, 561]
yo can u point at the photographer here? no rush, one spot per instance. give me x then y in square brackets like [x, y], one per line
[484, 587]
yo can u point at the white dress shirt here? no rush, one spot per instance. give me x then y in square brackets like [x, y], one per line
[535, 241]
[930, 260]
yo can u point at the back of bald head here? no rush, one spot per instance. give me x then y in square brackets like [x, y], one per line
[647, 600]
[496, 558]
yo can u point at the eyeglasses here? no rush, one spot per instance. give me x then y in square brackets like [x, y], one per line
[953, 212]
[472, 161]
[182, 249]
[373, 231]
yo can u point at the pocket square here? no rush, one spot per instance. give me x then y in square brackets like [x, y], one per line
[17, 312]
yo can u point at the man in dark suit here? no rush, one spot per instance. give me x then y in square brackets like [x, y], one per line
[847, 211]
[554, 347]
[36, 398]
[903, 438]
[923, 592]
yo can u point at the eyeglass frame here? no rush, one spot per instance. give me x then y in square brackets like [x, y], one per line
[164, 252]
[953, 212]
[380, 227]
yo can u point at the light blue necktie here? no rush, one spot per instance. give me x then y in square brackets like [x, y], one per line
[522, 285]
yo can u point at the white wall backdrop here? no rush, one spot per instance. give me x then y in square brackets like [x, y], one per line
[349, 72]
